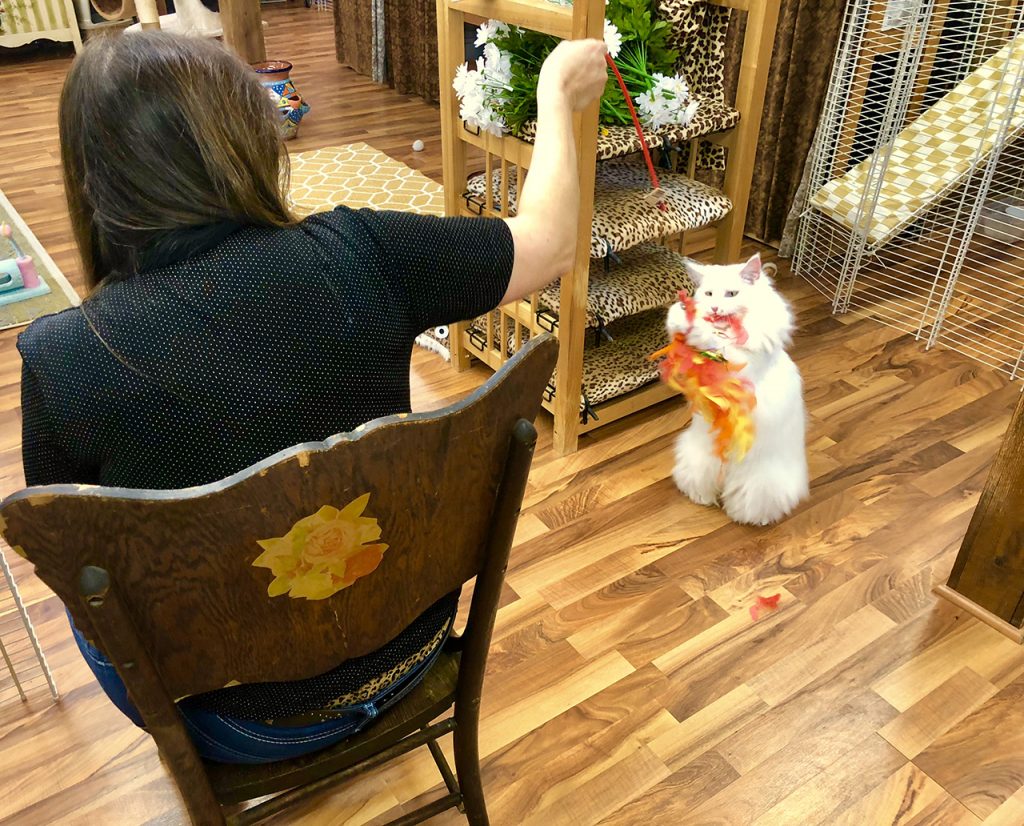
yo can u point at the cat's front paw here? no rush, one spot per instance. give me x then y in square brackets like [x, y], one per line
[697, 483]
[677, 322]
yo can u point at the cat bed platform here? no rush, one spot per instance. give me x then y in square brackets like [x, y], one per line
[712, 116]
[622, 218]
[646, 277]
[610, 368]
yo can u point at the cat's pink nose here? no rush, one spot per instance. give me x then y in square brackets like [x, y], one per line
[714, 310]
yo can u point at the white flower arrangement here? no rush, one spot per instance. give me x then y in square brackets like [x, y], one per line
[481, 91]
[498, 95]
[668, 103]
[486, 32]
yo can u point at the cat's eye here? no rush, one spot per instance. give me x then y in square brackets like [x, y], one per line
[707, 293]
[731, 293]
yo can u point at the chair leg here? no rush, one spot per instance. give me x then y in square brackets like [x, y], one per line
[467, 767]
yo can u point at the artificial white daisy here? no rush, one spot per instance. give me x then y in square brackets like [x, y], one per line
[612, 39]
[488, 31]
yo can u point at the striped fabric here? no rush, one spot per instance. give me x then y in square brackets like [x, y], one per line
[29, 16]
[934, 153]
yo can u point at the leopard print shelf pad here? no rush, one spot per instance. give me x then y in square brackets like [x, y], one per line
[646, 277]
[611, 368]
[614, 368]
[616, 141]
[622, 218]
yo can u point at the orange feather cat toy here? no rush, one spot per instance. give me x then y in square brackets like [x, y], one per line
[713, 388]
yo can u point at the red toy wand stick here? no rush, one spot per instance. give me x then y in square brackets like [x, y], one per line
[640, 134]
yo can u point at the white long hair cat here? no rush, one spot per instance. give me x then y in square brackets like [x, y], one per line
[741, 316]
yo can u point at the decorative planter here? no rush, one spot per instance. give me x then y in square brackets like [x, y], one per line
[275, 77]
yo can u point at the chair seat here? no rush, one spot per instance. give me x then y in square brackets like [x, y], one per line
[622, 218]
[431, 698]
[615, 141]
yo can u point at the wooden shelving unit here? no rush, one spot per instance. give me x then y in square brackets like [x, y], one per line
[506, 160]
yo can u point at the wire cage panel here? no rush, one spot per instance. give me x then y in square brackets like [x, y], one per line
[915, 208]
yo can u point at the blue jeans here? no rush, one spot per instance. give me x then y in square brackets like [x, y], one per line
[227, 740]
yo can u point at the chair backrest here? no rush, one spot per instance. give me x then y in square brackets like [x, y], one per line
[320, 553]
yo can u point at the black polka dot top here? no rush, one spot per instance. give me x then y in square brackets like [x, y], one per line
[246, 341]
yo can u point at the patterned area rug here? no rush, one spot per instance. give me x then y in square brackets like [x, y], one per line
[357, 175]
[54, 294]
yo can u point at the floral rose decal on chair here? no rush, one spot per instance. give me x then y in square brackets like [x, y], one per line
[323, 553]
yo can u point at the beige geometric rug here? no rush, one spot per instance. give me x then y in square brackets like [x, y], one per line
[357, 175]
[61, 295]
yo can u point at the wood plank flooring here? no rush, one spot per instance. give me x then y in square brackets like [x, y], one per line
[628, 683]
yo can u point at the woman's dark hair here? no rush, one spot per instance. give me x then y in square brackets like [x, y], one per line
[159, 133]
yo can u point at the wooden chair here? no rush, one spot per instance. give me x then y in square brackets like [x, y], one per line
[165, 583]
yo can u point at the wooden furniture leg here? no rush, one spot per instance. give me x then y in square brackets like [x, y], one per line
[148, 13]
[988, 576]
[741, 144]
[243, 29]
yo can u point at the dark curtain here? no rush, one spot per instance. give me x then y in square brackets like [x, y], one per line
[805, 45]
[411, 38]
[409, 42]
[354, 33]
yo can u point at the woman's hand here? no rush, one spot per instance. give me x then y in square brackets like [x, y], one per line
[575, 73]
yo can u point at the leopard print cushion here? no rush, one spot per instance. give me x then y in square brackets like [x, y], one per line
[699, 34]
[436, 339]
[367, 691]
[622, 218]
[611, 368]
[303, 702]
[614, 368]
[615, 141]
[686, 18]
[646, 277]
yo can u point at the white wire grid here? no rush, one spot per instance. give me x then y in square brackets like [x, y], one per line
[955, 274]
[23, 668]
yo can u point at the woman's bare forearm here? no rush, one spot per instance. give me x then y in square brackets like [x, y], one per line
[545, 226]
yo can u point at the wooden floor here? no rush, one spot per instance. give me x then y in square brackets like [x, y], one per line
[628, 683]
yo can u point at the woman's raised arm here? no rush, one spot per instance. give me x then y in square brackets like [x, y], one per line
[544, 227]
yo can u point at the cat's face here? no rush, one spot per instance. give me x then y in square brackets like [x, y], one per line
[724, 291]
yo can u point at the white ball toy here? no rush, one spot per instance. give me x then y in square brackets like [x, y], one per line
[417, 146]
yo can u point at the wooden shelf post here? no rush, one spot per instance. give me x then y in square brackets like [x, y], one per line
[988, 576]
[243, 29]
[574, 288]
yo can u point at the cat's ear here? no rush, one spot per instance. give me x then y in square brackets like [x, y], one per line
[752, 269]
[693, 270]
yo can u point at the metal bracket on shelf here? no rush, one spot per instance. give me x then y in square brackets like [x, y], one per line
[601, 333]
[472, 204]
[477, 339]
[587, 411]
[610, 257]
[547, 320]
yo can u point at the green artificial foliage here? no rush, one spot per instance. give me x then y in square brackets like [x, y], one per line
[645, 52]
